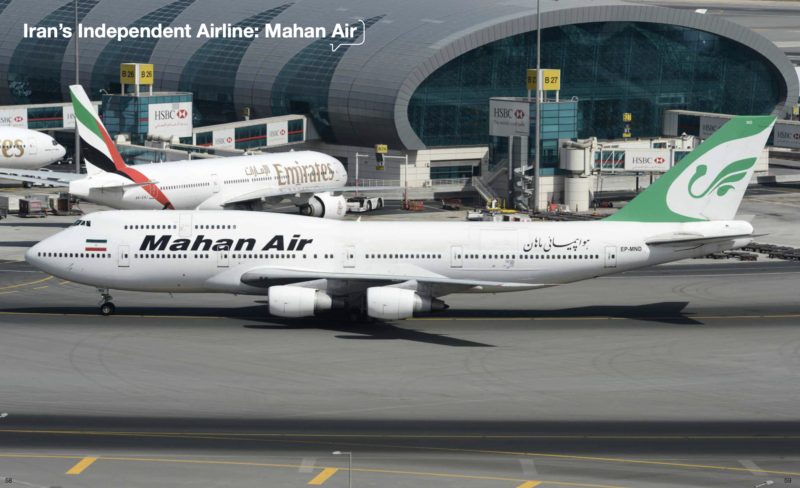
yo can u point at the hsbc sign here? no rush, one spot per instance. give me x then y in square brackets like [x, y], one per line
[14, 117]
[787, 136]
[709, 125]
[170, 119]
[224, 138]
[650, 160]
[277, 133]
[509, 118]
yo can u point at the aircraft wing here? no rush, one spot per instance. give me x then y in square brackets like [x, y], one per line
[689, 239]
[33, 176]
[273, 276]
[280, 192]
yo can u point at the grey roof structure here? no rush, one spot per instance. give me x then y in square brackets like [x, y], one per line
[369, 86]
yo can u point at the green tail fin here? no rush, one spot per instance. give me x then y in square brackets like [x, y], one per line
[710, 182]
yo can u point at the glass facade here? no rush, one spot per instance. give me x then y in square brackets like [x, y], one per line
[210, 74]
[135, 155]
[129, 114]
[612, 67]
[452, 172]
[105, 75]
[302, 85]
[34, 74]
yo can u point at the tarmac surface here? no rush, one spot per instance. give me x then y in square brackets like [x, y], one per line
[671, 376]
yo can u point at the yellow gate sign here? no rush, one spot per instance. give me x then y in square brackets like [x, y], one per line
[128, 74]
[551, 79]
[136, 74]
[146, 74]
[626, 117]
[381, 148]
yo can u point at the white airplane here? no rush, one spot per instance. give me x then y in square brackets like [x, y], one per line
[23, 149]
[313, 181]
[391, 270]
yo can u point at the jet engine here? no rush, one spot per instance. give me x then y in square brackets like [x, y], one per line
[325, 206]
[396, 303]
[295, 301]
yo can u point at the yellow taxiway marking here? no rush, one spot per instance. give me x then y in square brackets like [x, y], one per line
[60, 314]
[323, 476]
[83, 464]
[324, 468]
[530, 484]
[26, 284]
[235, 437]
[64, 282]
[7, 292]
[40, 287]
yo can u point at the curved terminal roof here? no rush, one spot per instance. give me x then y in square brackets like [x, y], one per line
[366, 88]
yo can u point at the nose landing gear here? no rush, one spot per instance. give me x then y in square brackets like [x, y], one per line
[106, 307]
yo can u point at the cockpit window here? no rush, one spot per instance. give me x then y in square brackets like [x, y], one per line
[77, 222]
[55, 143]
[87, 223]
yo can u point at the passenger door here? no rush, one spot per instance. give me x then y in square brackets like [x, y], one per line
[123, 261]
[349, 256]
[186, 225]
[611, 256]
[456, 258]
[31, 146]
[215, 183]
[222, 258]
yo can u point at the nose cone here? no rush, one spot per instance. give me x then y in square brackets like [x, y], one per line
[61, 151]
[31, 256]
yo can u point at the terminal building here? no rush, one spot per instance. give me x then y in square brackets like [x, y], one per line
[422, 79]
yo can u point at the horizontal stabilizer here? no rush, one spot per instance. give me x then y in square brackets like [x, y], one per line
[129, 186]
[689, 239]
[285, 192]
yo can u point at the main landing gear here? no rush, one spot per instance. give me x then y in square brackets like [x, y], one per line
[106, 307]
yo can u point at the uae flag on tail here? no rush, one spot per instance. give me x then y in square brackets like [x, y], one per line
[96, 245]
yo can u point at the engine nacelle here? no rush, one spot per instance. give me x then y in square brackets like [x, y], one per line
[295, 301]
[325, 206]
[395, 303]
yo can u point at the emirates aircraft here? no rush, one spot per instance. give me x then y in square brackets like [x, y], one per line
[392, 270]
[313, 181]
[24, 149]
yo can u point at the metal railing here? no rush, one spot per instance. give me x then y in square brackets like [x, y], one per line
[483, 190]
[452, 182]
[373, 182]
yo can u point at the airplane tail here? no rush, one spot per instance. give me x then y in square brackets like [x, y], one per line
[710, 182]
[97, 148]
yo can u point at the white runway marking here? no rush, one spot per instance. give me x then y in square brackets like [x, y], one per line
[307, 466]
[528, 468]
[753, 467]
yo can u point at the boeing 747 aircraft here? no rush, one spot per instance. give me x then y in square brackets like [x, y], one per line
[392, 270]
[313, 181]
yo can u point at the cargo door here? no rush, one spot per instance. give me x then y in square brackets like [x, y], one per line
[349, 256]
[611, 256]
[124, 260]
[185, 225]
[456, 258]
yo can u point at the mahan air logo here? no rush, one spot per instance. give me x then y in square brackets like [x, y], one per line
[732, 173]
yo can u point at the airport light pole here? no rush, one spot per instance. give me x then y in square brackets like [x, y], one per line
[357, 156]
[350, 469]
[77, 156]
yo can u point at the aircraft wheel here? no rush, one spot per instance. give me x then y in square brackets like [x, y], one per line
[380, 203]
[107, 309]
[27, 184]
[369, 206]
